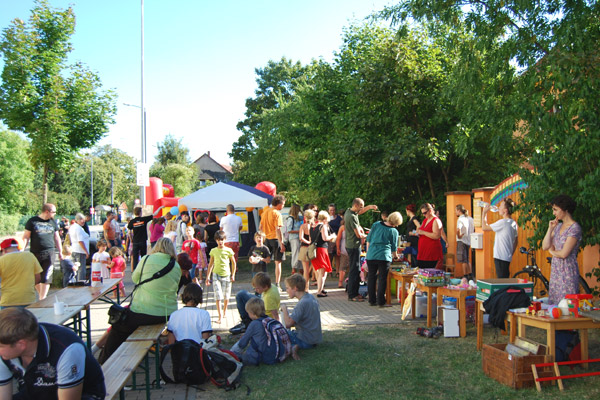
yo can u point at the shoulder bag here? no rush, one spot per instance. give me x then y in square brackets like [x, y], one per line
[312, 247]
[117, 314]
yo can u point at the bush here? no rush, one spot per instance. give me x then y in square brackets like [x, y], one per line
[9, 223]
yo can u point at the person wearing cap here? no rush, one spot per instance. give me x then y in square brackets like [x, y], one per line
[19, 273]
[41, 232]
[47, 361]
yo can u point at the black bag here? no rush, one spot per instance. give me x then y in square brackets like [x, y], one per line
[222, 367]
[187, 367]
[117, 314]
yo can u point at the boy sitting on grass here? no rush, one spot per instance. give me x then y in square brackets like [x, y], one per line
[268, 292]
[262, 347]
[305, 316]
[190, 322]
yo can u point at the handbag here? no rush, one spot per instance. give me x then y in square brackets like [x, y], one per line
[117, 314]
[312, 247]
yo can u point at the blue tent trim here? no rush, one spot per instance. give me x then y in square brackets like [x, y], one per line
[251, 190]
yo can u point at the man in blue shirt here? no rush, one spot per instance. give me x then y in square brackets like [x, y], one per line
[48, 361]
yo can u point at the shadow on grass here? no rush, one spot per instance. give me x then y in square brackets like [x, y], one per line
[381, 362]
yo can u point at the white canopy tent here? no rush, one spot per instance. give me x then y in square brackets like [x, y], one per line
[216, 197]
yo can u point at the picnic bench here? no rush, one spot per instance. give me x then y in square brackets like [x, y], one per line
[122, 364]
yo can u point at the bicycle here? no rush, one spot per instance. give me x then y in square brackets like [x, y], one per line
[535, 274]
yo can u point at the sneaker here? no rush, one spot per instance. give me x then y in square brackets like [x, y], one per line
[238, 329]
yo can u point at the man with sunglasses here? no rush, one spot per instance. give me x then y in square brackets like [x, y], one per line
[42, 234]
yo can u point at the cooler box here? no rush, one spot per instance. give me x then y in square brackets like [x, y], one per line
[485, 287]
[449, 317]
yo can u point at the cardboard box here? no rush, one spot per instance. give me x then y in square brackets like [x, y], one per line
[449, 317]
[511, 370]
[485, 287]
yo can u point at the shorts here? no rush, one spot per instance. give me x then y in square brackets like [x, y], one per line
[296, 340]
[344, 262]
[235, 246]
[303, 254]
[273, 245]
[221, 286]
[462, 252]
[46, 258]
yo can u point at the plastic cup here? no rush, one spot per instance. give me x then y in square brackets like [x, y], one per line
[59, 308]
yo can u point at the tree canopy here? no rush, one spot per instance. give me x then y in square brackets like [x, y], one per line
[377, 123]
[16, 173]
[61, 108]
[529, 76]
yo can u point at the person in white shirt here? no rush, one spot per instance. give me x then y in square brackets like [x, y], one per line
[463, 240]
[231, 224]
[190, 322]
[80, 244]
[505, 241]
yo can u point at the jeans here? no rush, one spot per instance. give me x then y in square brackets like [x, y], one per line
[241, 298]
[138, 250]
[295, 245]
[296, 340]
[377, 267]
[81, 273]
[353, 272]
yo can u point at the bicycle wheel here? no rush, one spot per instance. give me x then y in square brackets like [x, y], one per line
[583, 286]
[538, 286]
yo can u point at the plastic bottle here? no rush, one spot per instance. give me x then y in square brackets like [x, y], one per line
[96, 276]
[482, 204]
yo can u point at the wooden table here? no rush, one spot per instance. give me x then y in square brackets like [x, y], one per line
[510, 318]
[551, 325]
[47, 315]
[461, 303]
[403, 279]
[81, 296]
[430, 290]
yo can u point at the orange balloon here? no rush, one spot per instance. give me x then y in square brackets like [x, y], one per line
[182, 207]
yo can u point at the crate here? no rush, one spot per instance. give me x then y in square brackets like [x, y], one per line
[485, 287]
[511, 370]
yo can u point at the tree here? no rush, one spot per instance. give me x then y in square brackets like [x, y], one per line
[172, 151]
[530, 79]
[61, 108]
[16, 172]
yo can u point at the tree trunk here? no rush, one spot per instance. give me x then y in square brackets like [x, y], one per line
[419, 189]
[446, 172]
[45, 185]
[430, 180]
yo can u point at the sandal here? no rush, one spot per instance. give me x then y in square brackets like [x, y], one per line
[321, 295]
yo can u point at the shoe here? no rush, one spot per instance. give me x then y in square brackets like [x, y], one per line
[238, 329]
[321, 295]
[357, 299]
[324, 291]
[384, 305]
[372, 304]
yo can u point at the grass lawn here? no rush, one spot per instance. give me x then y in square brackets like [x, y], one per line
[390, 361]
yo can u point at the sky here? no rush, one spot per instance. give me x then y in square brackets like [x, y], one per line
[199, 59]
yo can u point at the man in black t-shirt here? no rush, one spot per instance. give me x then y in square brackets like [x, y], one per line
[41, 232]
[139, 225]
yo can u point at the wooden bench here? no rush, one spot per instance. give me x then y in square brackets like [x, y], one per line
[122, 364]
[124, 361]
[149, 332]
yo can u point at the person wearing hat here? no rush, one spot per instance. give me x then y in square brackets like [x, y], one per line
[19, 273]
[41, 232]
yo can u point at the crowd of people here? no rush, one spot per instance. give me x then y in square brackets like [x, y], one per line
[189, 254]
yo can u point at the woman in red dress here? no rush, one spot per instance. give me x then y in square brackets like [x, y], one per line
[321, 234]
[430, 247]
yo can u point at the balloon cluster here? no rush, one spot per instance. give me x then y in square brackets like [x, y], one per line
[174, 211]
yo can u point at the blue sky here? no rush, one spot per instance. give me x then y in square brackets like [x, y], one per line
[200, 58]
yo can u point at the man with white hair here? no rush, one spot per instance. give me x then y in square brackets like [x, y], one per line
[80, 244]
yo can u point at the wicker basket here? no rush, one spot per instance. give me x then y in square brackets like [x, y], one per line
[511, 370]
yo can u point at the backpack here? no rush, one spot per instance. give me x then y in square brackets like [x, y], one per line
[222, 367]
[194, 364]
[282, 345]
[185, 357]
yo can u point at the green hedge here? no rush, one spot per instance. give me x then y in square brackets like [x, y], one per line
[9, 223]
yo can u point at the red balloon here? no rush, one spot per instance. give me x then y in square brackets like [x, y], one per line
[267, 187]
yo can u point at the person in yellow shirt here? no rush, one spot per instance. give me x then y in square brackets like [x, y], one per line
[271, 223]
[19, 272]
